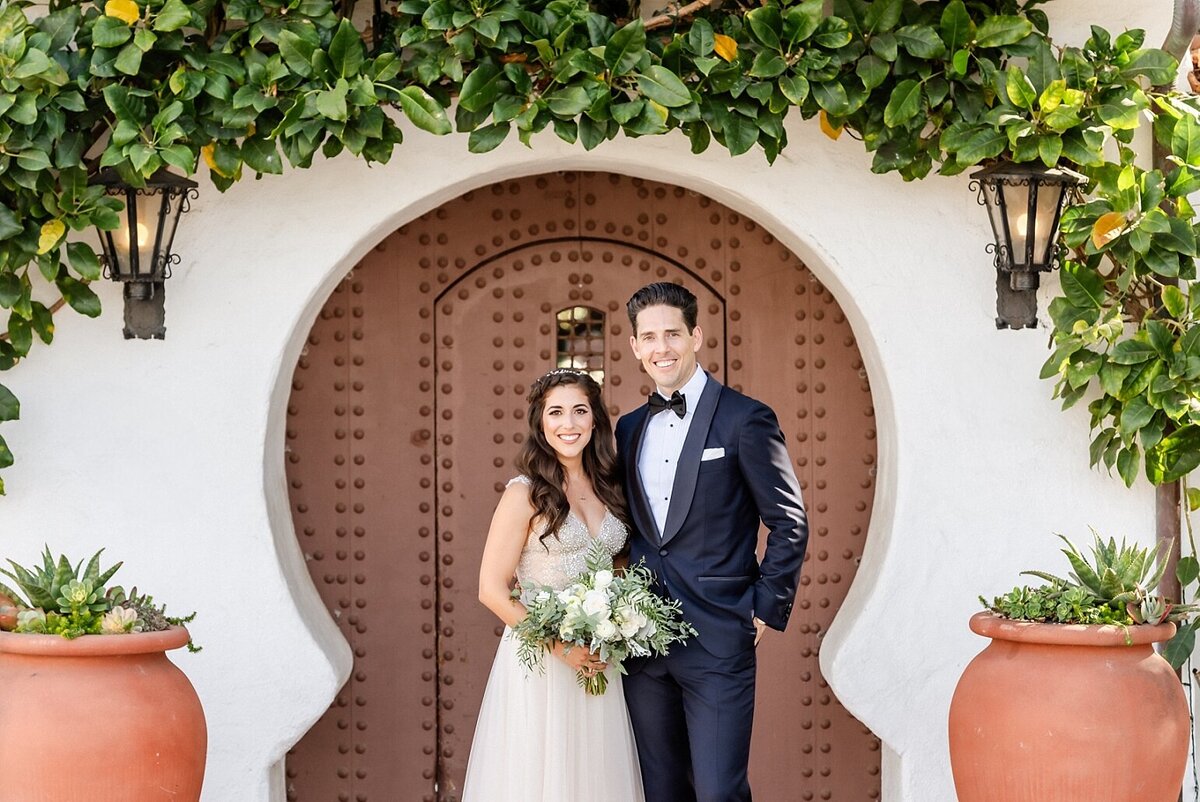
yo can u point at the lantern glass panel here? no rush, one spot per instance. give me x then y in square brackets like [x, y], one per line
[1016, 212]
[1049, 200]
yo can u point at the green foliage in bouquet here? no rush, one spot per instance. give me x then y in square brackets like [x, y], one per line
[1116, 586]
[55, 598]
[615, 614]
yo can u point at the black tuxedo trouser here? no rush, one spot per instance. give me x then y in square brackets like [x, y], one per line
[692, 715]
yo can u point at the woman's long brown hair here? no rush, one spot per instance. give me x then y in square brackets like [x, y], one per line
[539, 461]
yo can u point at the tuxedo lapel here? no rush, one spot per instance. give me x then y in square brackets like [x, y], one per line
[684, 488]
[639, 506]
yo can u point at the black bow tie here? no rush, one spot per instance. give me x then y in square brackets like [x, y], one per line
[677, 404]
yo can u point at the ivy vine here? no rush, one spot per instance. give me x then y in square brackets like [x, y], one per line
[240, 86]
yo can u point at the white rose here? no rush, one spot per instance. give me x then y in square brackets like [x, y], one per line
[606, 630]
[628, 628]
[647, 630]
[565, 632]
[565, 596]
[541, 597]
[602, 579]
[595, 602]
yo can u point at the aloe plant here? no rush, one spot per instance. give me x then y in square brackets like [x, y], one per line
[46, 586]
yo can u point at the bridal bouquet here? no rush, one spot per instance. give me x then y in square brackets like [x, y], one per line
[614, 615]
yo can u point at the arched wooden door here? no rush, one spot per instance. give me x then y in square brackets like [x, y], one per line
[409, 405]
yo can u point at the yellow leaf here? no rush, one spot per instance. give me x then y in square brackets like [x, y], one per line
[660, 110]
[1107, 229]
[828, 128]
[125, 10]
[207, 152]
[726, 46]
[51, 233]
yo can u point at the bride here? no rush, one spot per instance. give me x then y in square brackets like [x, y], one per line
[540, 737]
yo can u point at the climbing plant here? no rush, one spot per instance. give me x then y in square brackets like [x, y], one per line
[242, 86]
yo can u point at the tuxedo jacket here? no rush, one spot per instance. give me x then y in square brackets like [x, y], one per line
[734, 472]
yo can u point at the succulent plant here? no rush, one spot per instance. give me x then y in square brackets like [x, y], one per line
[1117, 585]
[44, 586]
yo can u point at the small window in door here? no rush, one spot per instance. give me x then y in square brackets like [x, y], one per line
[581, 340]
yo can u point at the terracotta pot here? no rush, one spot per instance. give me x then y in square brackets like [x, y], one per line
[98, 717]
[1068, 713]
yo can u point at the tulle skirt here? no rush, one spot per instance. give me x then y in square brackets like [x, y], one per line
[540, 738]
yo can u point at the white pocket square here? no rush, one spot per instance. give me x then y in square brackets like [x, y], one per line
[712, 453]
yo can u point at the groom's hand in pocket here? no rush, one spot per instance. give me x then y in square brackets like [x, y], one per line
[760, 627]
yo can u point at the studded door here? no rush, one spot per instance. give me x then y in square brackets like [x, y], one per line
[408, 408]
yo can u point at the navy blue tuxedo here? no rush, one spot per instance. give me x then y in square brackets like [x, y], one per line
[692, 710]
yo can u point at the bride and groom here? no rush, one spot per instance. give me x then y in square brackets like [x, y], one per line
[691, 475]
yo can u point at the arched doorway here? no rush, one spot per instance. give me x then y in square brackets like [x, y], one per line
[408, 406]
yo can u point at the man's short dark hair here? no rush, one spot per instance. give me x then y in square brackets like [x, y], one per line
[663, 293]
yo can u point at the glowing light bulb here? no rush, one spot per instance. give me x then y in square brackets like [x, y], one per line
[122, 238]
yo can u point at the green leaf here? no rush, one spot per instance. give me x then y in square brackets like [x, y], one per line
[625, 49]
[84, 260]
[832, 97]
[1156, 65]
[568, 101]
[700, 39]
[921, 41]
[1188, 569]
[129, 59]
[983, 145]
[1019, 88]
[1193, 499]
[904, 103]
[10, 407]
[79, 296]
[1083, 286]
[488, 137]
[297, 53]
[481, 87]
[1185, 140]
[956, 27]
[331, 103]
[1174, 300]
[794, 88]
[1135, 415]
[1132, 352]
[1179, 648]
[261, 156]
[767, 65]
[883, 15]
[1127, 464]
[1175, 456]
[346, 51]
[6, 459]
[663, 86]
[110, 32]
[425, 112]
[9, 227]
[1002, 30]
[872, 70]
[766, 24]
[172, 16]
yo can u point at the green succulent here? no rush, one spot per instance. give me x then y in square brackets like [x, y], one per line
[1117, 585]
[55, 585]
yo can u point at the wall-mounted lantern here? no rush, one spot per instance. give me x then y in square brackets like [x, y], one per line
[1025, 202]
[138, 253]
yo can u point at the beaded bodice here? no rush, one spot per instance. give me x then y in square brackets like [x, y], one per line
[557, 561]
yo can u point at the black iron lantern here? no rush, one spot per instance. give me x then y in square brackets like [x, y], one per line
[138, 253]
[1025, 202]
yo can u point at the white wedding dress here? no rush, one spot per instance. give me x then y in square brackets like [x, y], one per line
[540, 737]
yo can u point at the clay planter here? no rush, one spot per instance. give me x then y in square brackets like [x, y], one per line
[1067, 712]
[99, 717]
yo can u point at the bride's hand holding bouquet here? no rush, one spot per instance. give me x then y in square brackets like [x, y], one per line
[598, 621]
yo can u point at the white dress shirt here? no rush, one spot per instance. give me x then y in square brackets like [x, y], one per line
[661, 446]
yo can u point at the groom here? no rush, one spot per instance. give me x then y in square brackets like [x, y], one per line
[702, 465]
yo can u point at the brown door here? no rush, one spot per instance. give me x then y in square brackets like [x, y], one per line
[409, 405]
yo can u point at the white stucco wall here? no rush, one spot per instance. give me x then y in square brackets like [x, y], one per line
[170, 453]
